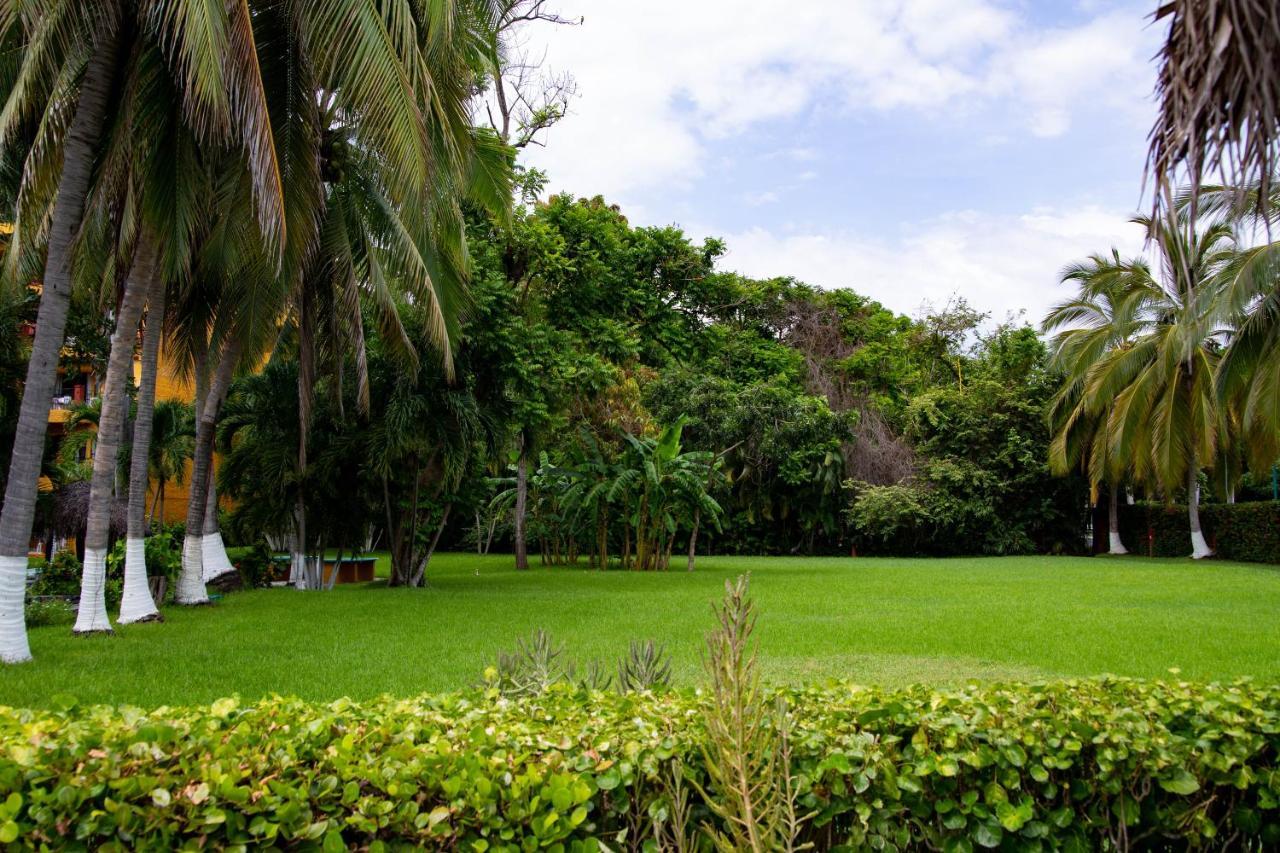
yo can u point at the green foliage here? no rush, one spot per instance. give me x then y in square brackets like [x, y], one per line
[42, 612]
[1094, 764]
[536, 664]
[647, 666]
[746, 755]
[255, 566]
[1249, 532]
[60, 576]
[982, 483]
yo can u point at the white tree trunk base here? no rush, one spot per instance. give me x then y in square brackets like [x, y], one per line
[1117, 547]
[13, 620]
[1199, 548]
[136, 604]
[214, 556]
[92, 616]
[298, 570]
[191, 582]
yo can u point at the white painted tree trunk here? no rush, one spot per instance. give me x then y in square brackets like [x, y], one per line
[136, 604]
[214, 556]
[1199, 547]
[1113, 524]
[191, 582]
[13, 593]
[92, 614]
[214, 552]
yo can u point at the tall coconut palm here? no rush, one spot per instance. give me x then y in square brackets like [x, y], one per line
[1249, 373]
[136, 603]
[1105, 315]
[81, 139]
[342, 56]
[376, 239]
[71, 56]
[1165, 414]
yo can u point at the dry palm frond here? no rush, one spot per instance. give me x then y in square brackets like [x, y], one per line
[1219, 93]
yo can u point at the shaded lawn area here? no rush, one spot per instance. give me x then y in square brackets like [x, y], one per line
[884, 621]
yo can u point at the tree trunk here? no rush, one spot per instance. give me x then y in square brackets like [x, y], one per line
[306, 386]
[213, 550]
[143, 271]
[522, 502]
[191, 589]
[19, 509]
[693, 539]
[1199, 548]
[431, 549]
[1113, 522]
[136, 604]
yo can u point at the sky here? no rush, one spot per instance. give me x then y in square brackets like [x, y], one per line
[913, 150]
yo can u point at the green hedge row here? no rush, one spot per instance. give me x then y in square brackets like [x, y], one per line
[1249, 532]
[1083, 765]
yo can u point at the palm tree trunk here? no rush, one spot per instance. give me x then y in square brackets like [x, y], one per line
[19, 509]
[136, 604]
[92, 616]
[1113, 523]
[306, 386]
[191, 589]
[522, 503]
[213, 549]
[1199, 547]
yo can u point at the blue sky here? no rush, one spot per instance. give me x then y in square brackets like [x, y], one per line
[909, 149]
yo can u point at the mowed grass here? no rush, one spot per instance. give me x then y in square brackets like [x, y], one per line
[868, 620]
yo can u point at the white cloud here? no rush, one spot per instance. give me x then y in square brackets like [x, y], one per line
[759, 198]
[662, 81]
[1001, 264]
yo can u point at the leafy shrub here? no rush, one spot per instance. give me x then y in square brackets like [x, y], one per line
[1090, 764]
[61, 576]
[41, 612]
[1249, 532]
[255, 566]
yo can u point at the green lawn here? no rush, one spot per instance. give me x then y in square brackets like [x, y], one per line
[869, 620]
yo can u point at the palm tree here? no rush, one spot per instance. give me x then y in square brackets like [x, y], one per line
[1104, 316]
[1164, 412]
[1219, 87]
[169, 450]
[1249, 372]
[136, 603]
[402, 92]
[81, 140]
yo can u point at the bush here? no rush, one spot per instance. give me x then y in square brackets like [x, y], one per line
[255, 565]
[61, 576]
[1249, 532]
[46, 611]
[1091, 764]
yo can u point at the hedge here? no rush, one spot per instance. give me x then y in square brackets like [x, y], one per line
[1090, 764]
[1248, 532]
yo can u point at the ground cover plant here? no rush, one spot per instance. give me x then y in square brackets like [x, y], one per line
[876, 621]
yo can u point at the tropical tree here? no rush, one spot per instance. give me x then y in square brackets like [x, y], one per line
[1105, 315]
[136, 603]
[1164, 413]
[87, 104]
[660, 488]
